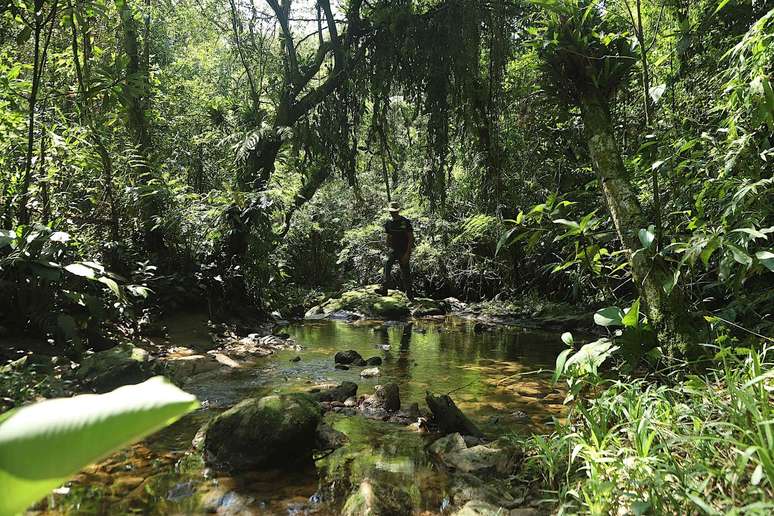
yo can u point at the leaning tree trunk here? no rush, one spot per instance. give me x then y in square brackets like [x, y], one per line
[663, 311]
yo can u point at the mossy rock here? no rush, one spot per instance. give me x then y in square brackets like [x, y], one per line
[122, 365]
[424, 307]
[266, 433]
[395, 305]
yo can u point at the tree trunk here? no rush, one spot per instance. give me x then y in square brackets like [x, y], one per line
[83, 76]
[135, 95]
[662, 311]
[39, 62]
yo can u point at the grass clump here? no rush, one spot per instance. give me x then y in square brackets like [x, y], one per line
[703, 444]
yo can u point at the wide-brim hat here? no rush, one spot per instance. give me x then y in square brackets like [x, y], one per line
[393, 207]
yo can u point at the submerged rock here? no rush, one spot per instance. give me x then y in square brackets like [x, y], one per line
[497, 457]
[349, 356]
[342, 367]
[122, 365]
[338, 393]
[481, 508]
[377, 500]
[270, 432]
[374, 361]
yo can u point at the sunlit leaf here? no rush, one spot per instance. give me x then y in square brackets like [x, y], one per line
[80, 269]
[609, 316]
[43, 444]
[766, 258]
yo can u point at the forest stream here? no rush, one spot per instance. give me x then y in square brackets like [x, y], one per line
[498, 378]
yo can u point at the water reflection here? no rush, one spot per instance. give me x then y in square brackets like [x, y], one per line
[492, 376]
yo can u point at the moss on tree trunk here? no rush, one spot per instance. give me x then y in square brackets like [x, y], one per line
[663, 310]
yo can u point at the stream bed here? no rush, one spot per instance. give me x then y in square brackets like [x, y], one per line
[500, 378]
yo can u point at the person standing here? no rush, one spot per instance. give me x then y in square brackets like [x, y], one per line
[400, 243]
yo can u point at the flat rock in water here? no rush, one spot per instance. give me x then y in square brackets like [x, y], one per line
[265, 433]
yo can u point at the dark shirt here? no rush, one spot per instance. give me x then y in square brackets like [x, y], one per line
[399, 229]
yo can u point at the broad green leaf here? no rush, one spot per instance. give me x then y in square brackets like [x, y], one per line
[709, 249]
[560, 363]
[504, 239]
[740, 256]
[80, 269]
[592, 355]
[43, 444]
[567, 338]
[112, 285]
[632, 317]
[647, 236]
[766, 258]
[569, 223]
[754, 233]
[609, 316]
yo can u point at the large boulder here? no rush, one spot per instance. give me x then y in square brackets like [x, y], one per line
[121, 365]
[366, 301]
[266, 433]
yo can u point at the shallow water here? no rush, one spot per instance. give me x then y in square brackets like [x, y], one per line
[500, 379]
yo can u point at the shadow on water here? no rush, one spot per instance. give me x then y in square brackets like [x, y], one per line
[499, 378]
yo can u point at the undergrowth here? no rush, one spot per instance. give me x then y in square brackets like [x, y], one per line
[701, 445]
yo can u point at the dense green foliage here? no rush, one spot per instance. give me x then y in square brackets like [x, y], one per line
[238, 156]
